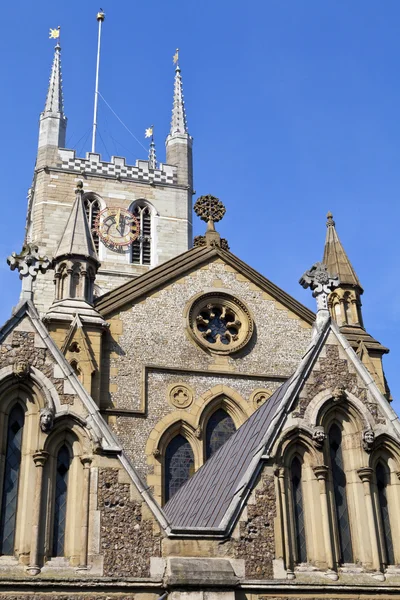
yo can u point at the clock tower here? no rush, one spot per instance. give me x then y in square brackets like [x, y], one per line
[158, 195]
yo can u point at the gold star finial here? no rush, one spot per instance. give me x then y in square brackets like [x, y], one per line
[149, 132]
[54, 33]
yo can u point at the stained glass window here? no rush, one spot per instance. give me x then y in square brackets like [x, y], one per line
[382, 482]
[219, 429]
[299, 527]
[179, 465]
[60, 501]
[141, 247]
[339, 487]
[12, 466]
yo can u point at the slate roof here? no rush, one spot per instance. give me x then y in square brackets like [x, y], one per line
[183, 264]
[205, 499]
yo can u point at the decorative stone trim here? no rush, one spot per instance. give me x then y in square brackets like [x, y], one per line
[180, 395]
[259, 397]
[220, 323]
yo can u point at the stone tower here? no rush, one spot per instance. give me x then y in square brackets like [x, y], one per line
[160, 195]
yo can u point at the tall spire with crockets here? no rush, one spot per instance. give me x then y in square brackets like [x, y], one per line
[179, 142]
[53, 123]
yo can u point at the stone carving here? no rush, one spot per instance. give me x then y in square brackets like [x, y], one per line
[220, 323]
[200, 240]
[338, 394]
[259, 397]
[198, 433]
[368, 440]
[321, 284]
[319, 437]
[21, 369]
[180, 396]
[209, 208]
[46, 420]
[156, 453]
[29, 263]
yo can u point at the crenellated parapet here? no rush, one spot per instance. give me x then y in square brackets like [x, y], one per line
[117, 168]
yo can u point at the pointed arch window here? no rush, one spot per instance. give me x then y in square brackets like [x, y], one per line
[60, 500]
[12, 467]
[219, 429]
[298, 511]
[141, 247]
[339, 489]
[179, 465]
[92, 209]
[382, 479]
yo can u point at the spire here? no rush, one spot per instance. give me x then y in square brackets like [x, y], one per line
[77, 239]
[53, 122]
[336, 259]
[178, 123]
[54, 100]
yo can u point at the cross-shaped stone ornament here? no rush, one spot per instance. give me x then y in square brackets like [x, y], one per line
[28, 262]
[321, 284]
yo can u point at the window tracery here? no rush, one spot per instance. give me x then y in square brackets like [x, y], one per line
[60, 500]
[340, 497]
[298, 511]
[142, 246]
[179, 465]
[92, 209]
[219, 429]
[12, 465]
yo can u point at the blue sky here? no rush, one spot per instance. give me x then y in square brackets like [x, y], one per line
[293, 106]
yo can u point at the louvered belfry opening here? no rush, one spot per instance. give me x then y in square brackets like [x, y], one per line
[141, 247]
[179, 465]
[339, 489]
[60, 500]
[382, 478]
[92, 209]
[219, 429]
[298, 511]
[12, 467]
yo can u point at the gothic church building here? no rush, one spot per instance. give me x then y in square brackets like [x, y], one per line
[172, 423]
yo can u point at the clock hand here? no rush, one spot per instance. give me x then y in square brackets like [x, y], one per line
[118, 221]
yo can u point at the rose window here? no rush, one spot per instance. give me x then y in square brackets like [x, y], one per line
[220, 322]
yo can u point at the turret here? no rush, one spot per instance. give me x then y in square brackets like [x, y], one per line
[53, 122]
[179, 142]
[344, 304]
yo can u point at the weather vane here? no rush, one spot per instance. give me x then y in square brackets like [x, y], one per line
[175, 58]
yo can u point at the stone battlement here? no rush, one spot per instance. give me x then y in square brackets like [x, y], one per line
[93, 165]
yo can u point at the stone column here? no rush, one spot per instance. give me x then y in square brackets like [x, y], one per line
[287, 546]
[366, 474]
[39, 459]
[321, 473]
[86, 462]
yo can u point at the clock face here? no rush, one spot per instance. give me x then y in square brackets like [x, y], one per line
[117, 228]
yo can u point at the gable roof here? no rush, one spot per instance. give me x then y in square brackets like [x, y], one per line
[213, 497]
[182, 264]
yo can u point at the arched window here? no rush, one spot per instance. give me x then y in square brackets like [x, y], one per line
[179, 465]
[92, 209]
[347, 309]
[141, 247]
[339, 488]
[12, 466]
[219, 429]
[298, 512]
[382, 482]
[60, 500]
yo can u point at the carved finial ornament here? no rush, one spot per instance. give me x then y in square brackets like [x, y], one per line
[320, 282]
[29, 263]
[330, 222]
[211, 210]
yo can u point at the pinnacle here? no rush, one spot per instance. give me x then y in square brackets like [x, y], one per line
[335, 257]
[178, 122]
[54, 99]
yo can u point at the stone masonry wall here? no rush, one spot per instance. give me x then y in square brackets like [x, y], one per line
[153, 332]
[127, 539]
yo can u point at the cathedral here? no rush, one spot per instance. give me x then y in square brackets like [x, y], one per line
[172, 423]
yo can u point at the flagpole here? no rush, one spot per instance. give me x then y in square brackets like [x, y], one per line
[100, 18]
